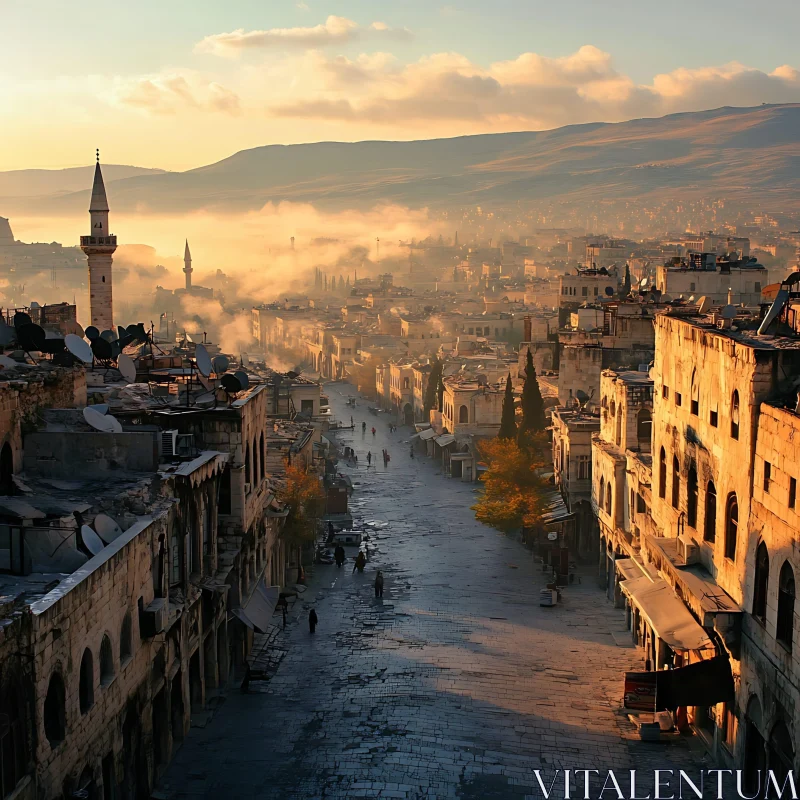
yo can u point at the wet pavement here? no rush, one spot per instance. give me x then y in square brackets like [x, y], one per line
[456, 684]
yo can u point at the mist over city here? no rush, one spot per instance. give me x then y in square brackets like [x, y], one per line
[399, 401]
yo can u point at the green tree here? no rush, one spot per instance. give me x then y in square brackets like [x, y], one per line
[508, 423]
[533, 419]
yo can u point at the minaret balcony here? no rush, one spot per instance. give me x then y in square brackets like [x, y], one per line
[108, 241]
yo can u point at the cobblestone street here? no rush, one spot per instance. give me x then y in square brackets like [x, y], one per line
[455, 685]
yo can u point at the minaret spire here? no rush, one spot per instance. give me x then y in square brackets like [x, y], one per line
[99, 247]
[187, 266]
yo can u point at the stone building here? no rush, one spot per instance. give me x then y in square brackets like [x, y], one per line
[721, 280]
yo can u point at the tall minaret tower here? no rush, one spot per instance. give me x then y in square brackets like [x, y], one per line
[187, 267]
[99, 248]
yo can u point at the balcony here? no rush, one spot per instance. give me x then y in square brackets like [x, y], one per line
[102, 241]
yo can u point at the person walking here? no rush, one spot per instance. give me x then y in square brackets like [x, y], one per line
[352, 423]
[369, 458]
[312, 620]
[363, 427]
[373, 431]
[284, 606]
[361, 561]
[379, 584]
[339, 555]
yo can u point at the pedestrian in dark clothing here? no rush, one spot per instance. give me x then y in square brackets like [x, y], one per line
[312, 620]
[379, 584]
[284, 607]
[363, 427]
[331, 533]
[245, 687]
[369, 458]
[339, 555]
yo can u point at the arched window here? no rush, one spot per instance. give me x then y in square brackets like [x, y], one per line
[786, 594]
[644, 427]
[731, 526]
[55, 723]
[106, 661]
[735, 414]
[662, 474]
[463, 414]
[601, 498]
[608, 498]
[618, 435]
[86, 684]
[247, 463]
[710, 526]
[761, 583]
[255, 460]
[781, 752]
[691, 498]
[125, 639]
[405, 383]
[676, 482]
[695, 395]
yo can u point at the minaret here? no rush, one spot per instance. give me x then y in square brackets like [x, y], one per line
[99, 247]
[187, 267]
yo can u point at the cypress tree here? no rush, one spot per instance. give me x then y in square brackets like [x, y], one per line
[508, 425]
[440, 390]
[432, 388]
[533, 419]
[626, 285]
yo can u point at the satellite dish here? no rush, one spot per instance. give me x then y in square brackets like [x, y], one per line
[107, 528]
[102, 349]
[21, 318]
[609, 291]
[79, 348]
[105, 423]
[141, 333]
[703, 304]
[91, 541]
[108, 335]
[729, 312]
[581, 395]
[126, 367]
[101, 408]
[7, 334]
[781, 299]
[230, 383]
[203, 360]
[92, 332]
[241, 375]
[31, 337]
[220, 364]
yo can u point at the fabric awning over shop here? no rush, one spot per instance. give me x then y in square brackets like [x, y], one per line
[629, 569]
[429, 433]
[258, 610]
[666, 614]
[445, 439]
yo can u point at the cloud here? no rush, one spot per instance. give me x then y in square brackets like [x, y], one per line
[335, 30]
[171, 93]
[531, 90]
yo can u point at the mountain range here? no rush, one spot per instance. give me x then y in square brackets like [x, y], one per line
[732, 152]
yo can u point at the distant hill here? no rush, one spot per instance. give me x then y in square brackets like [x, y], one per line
[46, 182]
[731, 151]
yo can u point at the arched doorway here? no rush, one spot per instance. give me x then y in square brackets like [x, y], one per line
[6, 470]
[408, 414]
[755, 756]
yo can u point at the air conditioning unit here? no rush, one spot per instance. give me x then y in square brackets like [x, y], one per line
[169, 440]
[153, 619]
[184, 444]
[688, 549]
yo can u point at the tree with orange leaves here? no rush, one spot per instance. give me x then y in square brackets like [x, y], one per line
[303, 496]
[513, 487]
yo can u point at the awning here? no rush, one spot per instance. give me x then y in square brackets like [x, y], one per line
[445, 439]
[666, 614]
[628, 569]
[257, 611]
[428, 433]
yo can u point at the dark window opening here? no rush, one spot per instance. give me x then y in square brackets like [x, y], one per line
[106, 662]
[731, 526]
[761, 584]
[767, 475]
[710, 528]
[676, 482]
[691, 498]
[662, 475]
[55, 723]
[86, 683]
[713, 419]
[786, 594]
[792, 492]
[735, 415]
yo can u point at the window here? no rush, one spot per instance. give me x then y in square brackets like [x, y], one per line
[608, 498]
[463, 414]
[662, 475]
[767, 475]
[602, 492]
[731, 526]
[55, 724]
[106, 661]
[761, 583]
[175, 557]
[792, 492]
[694, 405]
[585, 291]
[644, 427]
[757, 286]
[263, 450]
[678, 398]
[691, 498]
[255, 461]
[713, 419]
[595, 291]
[641, 508]
[710, 528]
[676, 482]
[584, 468]
[691, 287]
[665, 392]
[786, 594]
[86, 683]
[632, 505]
[735, 415]
[125, 640]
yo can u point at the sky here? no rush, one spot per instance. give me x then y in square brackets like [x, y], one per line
[177, 84]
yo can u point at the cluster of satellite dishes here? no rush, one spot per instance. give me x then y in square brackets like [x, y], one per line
[104, 532]
[231, 382]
